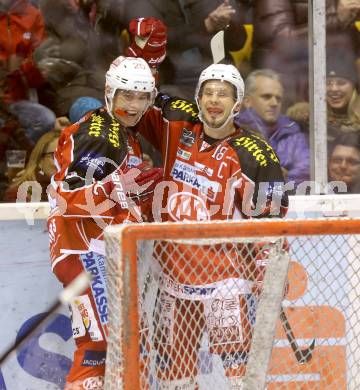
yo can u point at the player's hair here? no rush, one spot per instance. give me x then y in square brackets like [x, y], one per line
[250, 82]
[346, 139]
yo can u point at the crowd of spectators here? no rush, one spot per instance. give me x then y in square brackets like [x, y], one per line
[54, 55]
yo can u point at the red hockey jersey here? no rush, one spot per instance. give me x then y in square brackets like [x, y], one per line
[236, 177]
[87, 153]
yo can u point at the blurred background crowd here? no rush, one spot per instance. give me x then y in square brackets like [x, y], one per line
[54, 56]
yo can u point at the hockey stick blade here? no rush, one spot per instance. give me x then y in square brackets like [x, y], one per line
[217, 47]
[301, 355]
[77, 287]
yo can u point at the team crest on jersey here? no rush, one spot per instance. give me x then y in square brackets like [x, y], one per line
[181, 153]
[186, 174]
[187, 137]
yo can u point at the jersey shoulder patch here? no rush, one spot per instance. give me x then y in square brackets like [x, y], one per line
[256, 156]
[99, 146]
[261, 165]
[177, 109]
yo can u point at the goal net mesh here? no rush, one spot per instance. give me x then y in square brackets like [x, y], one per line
[280, 312]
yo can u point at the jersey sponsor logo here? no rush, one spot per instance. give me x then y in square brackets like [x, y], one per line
[96, 128]
[260, 152]
[96, 125]
[113, 135]
[185, 291]
[94, 358]
[186, 173]
[83, 319]
[84, 314]
[185, 155]
[94, 263]
[183, 105]
[204, 168]
[187, 137]
[185, 206]
[119, 188]
[93, 383]
[133, 161]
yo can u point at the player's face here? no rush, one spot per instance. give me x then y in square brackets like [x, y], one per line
[344, 164]
[216, 101]
[129, 106]
[266, 99]
[338, 93]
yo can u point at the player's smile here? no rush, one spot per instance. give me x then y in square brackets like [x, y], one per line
[214, 111]
[129, 106]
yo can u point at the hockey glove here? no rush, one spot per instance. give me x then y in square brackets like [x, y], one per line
[148, 40]
[135, 184]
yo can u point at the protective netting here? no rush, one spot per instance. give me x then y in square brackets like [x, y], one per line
[197, 311]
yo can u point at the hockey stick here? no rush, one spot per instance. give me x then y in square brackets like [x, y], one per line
[217, 47]
[76, 287]
[301, 355]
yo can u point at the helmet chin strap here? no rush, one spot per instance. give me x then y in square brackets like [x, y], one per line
[229, 118]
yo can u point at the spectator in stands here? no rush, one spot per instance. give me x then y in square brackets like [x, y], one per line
[81, 44]
[39, 168]
[12, 135]
[21, 31]
[281, 40]
[21, 125]
[34, 118]
[343, 100]
[344, 161]
[342, 97]
[191, 25]
[82, 106]
[263, 103]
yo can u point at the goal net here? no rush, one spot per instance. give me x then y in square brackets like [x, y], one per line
[234, 305]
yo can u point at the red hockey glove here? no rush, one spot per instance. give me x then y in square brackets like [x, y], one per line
[140, 181]
[148, 40]
[137, 184]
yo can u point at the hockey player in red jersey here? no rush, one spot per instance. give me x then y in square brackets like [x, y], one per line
[213, 171]
[100, 180]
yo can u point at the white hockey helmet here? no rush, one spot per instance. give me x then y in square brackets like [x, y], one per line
[130, 74]
[222, 72]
